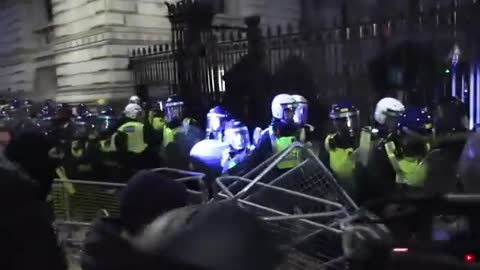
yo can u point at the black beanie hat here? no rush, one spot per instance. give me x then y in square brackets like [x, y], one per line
[147, 196]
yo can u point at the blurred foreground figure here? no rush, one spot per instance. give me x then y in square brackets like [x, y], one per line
[26, 175]
[146, 197]
[216, 236]
[450, 126]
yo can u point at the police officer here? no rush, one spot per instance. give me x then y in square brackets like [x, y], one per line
[132, 132]
[81, 166]
[340, 146]
[238, 138]
[217, 117]
[412, 145]
[106, 162]
[206, 155]
[157, 116]
[376, 177]
[180, 134]
[281, 133]
[105, 124]
[177, 122]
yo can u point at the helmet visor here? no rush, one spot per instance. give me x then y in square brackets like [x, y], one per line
[215, 122]
[301, 114]
[175, 112]
[238, 138]
[105, 123]
[349, 124]
[289, 111]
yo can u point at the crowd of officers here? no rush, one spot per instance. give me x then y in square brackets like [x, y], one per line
[402, 149]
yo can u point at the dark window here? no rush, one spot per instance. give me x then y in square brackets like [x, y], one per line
[220, 6]
[48, 7]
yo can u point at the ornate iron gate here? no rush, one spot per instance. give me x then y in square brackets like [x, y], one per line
[361, 62]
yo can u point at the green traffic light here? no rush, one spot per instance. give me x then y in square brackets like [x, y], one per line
[447, 71]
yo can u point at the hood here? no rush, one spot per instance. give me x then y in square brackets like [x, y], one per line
[107, 249]
[16, 186]
[216, 236]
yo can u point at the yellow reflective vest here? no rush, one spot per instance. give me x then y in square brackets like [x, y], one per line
[279, 144]
[108, 145]
[169, 134]
[410, 170]
[76, 150]
[135, 141]
[342, 160]
[158, 123]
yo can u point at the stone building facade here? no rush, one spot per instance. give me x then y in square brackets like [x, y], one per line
[77, 50]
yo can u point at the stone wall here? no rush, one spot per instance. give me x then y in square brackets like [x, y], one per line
[18, 45]
[82, 54]
[92, 43]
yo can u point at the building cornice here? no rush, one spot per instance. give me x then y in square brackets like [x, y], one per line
[109, 35]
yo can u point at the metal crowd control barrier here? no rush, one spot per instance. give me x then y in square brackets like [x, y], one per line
[78, 203]
[302, 206]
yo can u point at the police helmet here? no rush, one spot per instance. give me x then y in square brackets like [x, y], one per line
[174, 107]
[301, 112]
[27, 102]
[133, 111]
[105, 120]
[63, 112]
[345, 116]
[82, 110]
[388, 108]
[237, 134]
[284, 107]
[415, 120]
[216, 119]
[450, 115]
[82, 127]
[134, 100]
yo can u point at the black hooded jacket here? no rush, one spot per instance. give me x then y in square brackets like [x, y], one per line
[107, 249]
[27, 223]
[442, 164]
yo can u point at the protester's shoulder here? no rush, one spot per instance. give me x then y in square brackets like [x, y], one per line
[15, 183]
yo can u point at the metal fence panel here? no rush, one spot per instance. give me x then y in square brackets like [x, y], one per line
[78, 203]
[302, 207]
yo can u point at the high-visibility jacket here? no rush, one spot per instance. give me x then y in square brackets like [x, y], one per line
[135, 141]
[410, 170]
[108, 145]
[158, 123]
[169, 134]
[281, 143]
[342, 161]
[78, 150]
